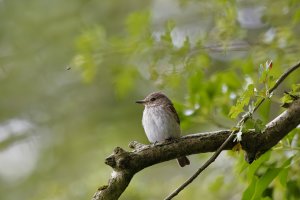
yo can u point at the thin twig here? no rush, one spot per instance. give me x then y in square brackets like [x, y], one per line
[230, 137]
[278, 82]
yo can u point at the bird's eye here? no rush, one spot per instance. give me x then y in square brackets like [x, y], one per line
[152, 99]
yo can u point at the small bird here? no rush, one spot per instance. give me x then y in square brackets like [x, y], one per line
[161, 121]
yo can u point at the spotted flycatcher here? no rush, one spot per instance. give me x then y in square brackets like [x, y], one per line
[161, 121]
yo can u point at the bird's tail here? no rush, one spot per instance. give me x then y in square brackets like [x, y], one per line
[183, 161]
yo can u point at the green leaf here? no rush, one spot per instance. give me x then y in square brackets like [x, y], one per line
[259, 185]
[257, 163]
[264, 109]
[242, 102]
[296, 87]
[287, 99]
[283, 176]
[291, 96]
[248, 193]
[264, 182]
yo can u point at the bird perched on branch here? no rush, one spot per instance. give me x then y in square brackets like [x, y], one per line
[161, 121]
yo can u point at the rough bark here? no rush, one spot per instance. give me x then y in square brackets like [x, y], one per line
[125, 164]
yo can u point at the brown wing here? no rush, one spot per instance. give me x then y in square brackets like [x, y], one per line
[172, 109]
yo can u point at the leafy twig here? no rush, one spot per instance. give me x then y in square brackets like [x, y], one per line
[231, 136]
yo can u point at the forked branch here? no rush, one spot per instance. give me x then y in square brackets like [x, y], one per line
[126, 164]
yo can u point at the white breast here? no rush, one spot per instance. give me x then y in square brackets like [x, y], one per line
[159, 125]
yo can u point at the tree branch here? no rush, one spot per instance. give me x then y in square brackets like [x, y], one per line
[249, 156]
[125, 164]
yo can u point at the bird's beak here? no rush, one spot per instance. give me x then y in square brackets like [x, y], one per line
[141, 101]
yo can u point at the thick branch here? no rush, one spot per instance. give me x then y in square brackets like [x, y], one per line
[126, 164]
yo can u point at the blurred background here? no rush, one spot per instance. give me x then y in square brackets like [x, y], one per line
[70, 72]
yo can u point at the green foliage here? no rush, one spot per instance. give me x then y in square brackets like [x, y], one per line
[206, 85]
[86, 44]
[257, 124]
[253, 93]
[166, 38]
[291, 96]
[256, 164]
[242, 101]
[259, 184]
[205, 55]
